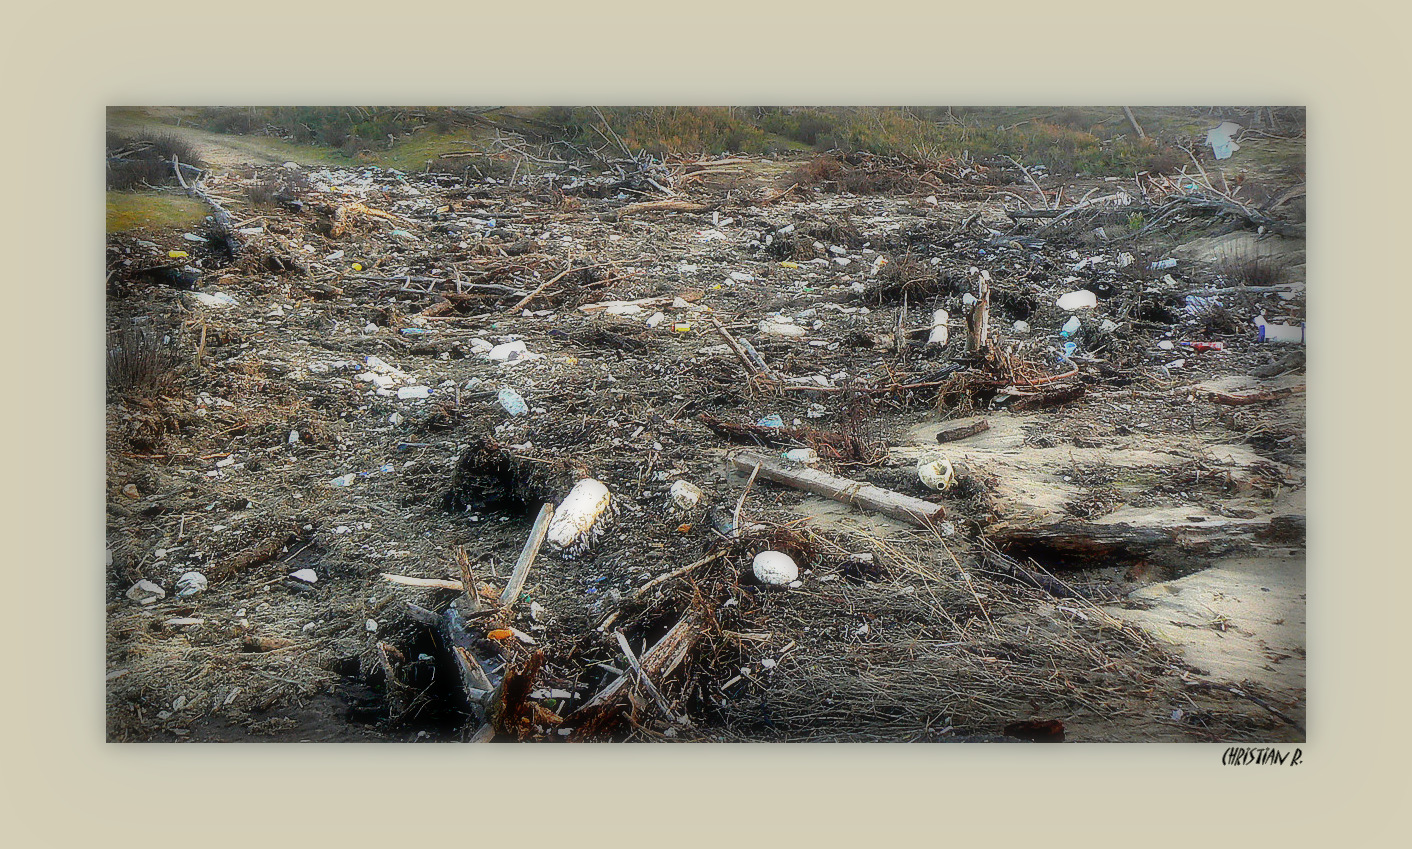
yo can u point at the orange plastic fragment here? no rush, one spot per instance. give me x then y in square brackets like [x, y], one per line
[501, 634]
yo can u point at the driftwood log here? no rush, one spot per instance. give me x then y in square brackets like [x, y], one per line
[952, 434]
[1252, 397]
[1054, 398]
[661, 206]
[224, 229]
[905, 508]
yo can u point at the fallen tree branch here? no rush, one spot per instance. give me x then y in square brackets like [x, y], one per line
[527, 555]
[913, 511]
[676, 573]
[224, 228]
[1253, 397]
[658, 662]
[425, 583]
[661, 206]
[523, 302]
[752, 367]
[1023, 170]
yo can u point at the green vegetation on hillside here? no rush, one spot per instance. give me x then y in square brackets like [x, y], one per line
[1065, 140]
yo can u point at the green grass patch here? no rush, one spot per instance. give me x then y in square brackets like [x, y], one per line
[152, 211]
[428, 145]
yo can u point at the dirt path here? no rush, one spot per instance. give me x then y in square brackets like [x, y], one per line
[220, 150]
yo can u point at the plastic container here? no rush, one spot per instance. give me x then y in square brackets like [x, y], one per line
[409, 392]
[1165, 263]
[1289, 334]
[573, 525]
[938, 335]
[512, 402]
[1070, 327]
[937, 475]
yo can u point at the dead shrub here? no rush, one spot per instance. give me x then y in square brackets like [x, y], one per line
[1256, 270]
[144, 160]
[263, 193]
[138, 363]
[821, 169]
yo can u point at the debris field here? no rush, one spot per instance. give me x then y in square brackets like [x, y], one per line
[706, 450]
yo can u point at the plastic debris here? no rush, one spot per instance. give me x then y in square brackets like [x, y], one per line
[411, 392]
[216, 300]
[1070, 327]
[190, 583]
[1199, 305]
[512, 402]
[305, 575]
[937, 474]
[1291, 334]
[510, 352]
[776, 328]
[577, 518]
[807, 456]
[772, 420]
[1222, 139]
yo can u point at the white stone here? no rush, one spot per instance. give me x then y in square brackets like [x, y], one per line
[775, 568]
[145, 590]
[305, 575]
[685, 495]
[1081, 299]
